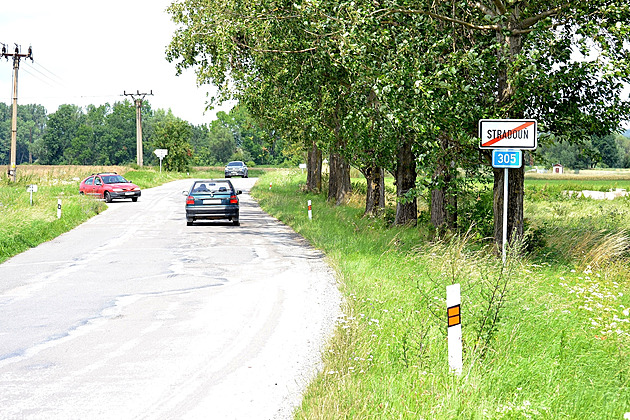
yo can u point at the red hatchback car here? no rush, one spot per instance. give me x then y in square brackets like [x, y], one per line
[109, 186]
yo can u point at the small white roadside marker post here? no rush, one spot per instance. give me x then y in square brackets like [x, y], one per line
[453, 303]
[59, 208]
[310, 211]
[270, 185]
[31, 189]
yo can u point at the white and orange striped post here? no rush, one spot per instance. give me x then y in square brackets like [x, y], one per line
[453, 308]
[310, 211]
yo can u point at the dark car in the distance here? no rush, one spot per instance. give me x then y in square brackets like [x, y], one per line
[236, 168]
[212, 199]
[109, 186]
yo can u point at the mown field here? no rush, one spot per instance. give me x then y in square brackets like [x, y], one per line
[545, 336]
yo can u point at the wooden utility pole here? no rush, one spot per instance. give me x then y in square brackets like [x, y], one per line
[16, 65]
[138, 98]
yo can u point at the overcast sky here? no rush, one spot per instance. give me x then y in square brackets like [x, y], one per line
[91, 52]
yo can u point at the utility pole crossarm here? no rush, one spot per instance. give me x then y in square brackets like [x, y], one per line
[138, 98]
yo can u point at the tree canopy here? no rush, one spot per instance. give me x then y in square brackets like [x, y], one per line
[402, 85]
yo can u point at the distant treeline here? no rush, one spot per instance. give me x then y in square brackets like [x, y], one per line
[106, 135]
[612, 151]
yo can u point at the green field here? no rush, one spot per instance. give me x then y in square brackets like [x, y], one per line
[545, 336]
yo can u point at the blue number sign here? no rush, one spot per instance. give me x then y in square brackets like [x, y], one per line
[507, 158]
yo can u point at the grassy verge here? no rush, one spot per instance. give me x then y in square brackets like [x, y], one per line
[543, 337]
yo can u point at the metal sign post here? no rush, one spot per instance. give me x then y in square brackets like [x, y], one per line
[507, 159]
[507, 139]
[506, 178]
[31, 189]
[161, 154]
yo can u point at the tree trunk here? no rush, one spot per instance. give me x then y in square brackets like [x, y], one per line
[339, 181]
[512, 46]
[516, 179]
[314, 169]
[375, 196]
[406, 206]
[443, 196]
[444, 205]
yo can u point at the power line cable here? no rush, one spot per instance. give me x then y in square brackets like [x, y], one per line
[45, 69]
[33, 75]
[46, 76]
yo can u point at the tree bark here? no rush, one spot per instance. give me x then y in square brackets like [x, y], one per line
[339, 181]
[443, 198]
[406, 206]
[314, 169]
[515, 205]
[375, 196]
[512, 46]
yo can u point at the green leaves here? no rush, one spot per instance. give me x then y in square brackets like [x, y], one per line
[174, 134]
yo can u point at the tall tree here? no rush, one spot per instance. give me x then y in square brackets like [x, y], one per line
[537, 75]
[61, 129]
[174, 135]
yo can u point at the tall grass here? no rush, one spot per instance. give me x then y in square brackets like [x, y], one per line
[542, 337]
[24, 226]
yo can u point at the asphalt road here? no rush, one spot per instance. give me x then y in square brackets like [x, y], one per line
[134, 315]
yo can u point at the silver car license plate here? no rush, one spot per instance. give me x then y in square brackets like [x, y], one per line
[212, 201]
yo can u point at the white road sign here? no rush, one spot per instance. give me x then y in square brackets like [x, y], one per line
[508, 134]
[161, 153]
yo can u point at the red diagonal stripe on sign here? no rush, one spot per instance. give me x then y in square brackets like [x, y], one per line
[501, 137]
